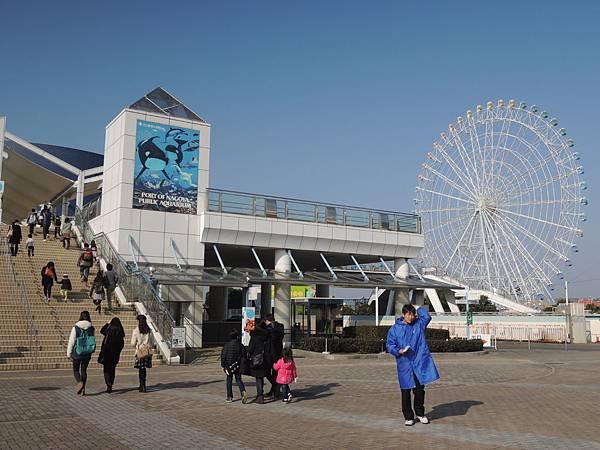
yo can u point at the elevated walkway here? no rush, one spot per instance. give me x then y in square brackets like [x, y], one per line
[494, 298]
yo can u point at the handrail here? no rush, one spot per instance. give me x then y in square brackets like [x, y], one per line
[291, 199]
[19, 292]
[274, 207]
[130, 242]
[175, 254]
[136, 285]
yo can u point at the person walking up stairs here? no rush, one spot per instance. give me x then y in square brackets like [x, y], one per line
[52, 322]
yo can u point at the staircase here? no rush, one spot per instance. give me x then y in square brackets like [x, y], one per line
[33, 334]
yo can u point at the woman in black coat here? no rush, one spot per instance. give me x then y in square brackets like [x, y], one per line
[114, 340]
[258, 359]
[14, 237]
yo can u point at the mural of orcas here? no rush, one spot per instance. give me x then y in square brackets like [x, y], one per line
[152, 157]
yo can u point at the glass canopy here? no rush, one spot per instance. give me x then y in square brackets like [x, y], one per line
[161, 102]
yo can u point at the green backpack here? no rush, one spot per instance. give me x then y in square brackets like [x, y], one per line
[85, 343]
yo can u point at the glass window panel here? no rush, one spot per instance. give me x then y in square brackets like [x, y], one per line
[357, 218]
[334, 215]
[321, 214]
[259, 206]
[301, 211]
[407, 223]
[213, 201]
[236, 204]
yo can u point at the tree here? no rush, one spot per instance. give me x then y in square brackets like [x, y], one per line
[484, 305]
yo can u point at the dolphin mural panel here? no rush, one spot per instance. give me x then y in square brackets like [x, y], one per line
[166, 168]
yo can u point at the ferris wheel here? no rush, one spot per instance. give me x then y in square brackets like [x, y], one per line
[500, 198]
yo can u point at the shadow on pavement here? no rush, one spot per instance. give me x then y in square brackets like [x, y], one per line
[458, 408]
[313, 392]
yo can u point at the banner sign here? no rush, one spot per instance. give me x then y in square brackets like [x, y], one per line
[486, 338]
[178, 337]
[248, 323]
[166, 168]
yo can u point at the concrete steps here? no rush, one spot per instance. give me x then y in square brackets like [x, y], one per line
[52, 321]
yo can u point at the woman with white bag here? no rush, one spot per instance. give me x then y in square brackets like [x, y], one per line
[140, 338]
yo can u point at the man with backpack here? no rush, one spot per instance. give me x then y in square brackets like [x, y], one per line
[85, 262]
[82, 343]
[111, 279]
[32, 220]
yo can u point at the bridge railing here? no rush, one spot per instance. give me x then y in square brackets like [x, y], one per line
[136, 285]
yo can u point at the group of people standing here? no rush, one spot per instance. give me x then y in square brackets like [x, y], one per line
[82, 345]
[265, 357]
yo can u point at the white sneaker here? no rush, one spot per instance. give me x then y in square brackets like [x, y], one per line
[423, 419]
[409, 423]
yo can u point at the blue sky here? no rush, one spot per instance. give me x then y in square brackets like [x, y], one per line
[337, 101]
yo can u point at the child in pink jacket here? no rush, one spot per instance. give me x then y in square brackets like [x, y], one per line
[286, 373]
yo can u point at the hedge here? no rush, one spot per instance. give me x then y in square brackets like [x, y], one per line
[341, 345]
[355, 345]
[373, 332]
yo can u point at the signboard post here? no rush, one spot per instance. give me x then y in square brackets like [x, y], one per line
[178, 340]
[248, 323]
[469, 317]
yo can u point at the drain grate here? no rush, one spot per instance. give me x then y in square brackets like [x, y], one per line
[45, 388]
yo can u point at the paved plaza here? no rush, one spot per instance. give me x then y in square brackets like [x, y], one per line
[513, 398]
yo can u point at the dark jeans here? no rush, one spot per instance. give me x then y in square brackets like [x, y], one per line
[56, 232]
[80, 369]
[260, 386]
[272, 376]
[46, 230]
[238, 380]
[285, 390]
[14, 249]
[109, 374]
[31, 228]
[419, 393]
[67, 243]
[30, 251]
[142, 374]
[47, 288]
[85, 272]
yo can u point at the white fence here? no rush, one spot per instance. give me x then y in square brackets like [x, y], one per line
[509, 332]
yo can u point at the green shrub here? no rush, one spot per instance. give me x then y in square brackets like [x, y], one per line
[341, 345]
[436, 334]
[374, 332]
[455, 345]
[356, 345]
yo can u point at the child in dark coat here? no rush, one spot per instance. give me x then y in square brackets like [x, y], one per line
[65, 287]
[231, 357]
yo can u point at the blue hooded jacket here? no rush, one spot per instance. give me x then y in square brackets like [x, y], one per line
[417, 359]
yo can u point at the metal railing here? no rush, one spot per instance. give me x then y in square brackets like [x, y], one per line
[20, 293]
[137, 286]
[326, 213]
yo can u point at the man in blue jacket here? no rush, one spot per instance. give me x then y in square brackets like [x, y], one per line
[406, 341]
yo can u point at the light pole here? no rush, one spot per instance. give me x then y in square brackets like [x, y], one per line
[376, 306]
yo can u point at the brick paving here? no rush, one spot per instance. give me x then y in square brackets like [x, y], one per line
[513, 398]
